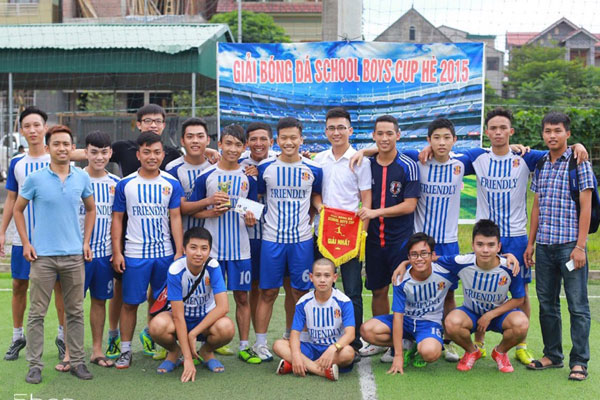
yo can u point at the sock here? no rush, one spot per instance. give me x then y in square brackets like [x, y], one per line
[17, 333]
[61, 333]
[243, 344]
[261, 338]
[522, 346]
[125, 347]
[113, 333]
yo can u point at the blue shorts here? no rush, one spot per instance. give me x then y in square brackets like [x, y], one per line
[139, 272]
[255, 245]
[495, 325]
[275, 257]
[99, 278]
[414, 329]
[516, 246]
[19, 266]
[239, 274]
[191, 324]
[448, 249]
[381, 263]
[312, 351]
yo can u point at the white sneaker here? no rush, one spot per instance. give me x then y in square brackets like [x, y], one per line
[388, 356]
[451, 352]
[371, 350]
[262, 350]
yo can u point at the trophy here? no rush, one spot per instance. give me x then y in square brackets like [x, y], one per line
[224, 187]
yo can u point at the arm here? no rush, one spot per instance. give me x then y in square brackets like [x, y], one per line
[88, 226]
[397, 329]
[192, 207]
[406, 207]
[356, 159]
[328, 355]
[580, 153]
[366, 197]
[221, 310]
[9, 204]
[189, 370]
[485, 319]
[512, 263]
[533, 228]
[176, 231]
[316, 201]
[399, 272]
[297, 361]
[28, 250]
[78, 155]
[116, 235]
[585, 212]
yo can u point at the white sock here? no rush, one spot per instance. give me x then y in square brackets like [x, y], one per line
[243, 344]
[17, 333]
[125, 346]
[261, 338]
[61, 333]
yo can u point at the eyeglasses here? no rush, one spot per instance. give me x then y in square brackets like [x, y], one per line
[149, 121]
[424, 255]
[339, 128]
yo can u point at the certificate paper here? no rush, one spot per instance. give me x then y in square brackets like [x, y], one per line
[244, 205]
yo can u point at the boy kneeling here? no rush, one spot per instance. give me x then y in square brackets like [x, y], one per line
[200, 315]
[328, 316]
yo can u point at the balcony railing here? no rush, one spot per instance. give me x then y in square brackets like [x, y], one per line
[19, 9]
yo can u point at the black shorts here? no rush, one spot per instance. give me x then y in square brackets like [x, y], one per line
[381, 263]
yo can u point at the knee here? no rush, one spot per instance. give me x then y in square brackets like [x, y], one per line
[159, 326]
[241, 298]
[430, 353]
[380, 293]
[269, 295]
[520, 324]
[20, 287]
[452, 323]
[280, 346]
[298, 293]
[225, 328]
[130, 308]
[366, 330]
[346, 356]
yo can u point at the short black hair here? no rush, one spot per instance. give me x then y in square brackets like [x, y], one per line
[254, 126]
[418, 238]
[32, 110]
[150, 109]
[98, 139]
[194, 121]
[325, 261]
[487, 228]
[555, 118]
[289, 122]
[234, 130]
[197, 232]
[338, 112]
[499, 112]
[386, 118]
[147, 138]
[439, 123]
[58, 129]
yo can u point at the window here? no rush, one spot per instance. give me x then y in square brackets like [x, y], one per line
[412, 33]
[492, 63]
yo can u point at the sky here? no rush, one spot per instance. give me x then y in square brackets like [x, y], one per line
[484, 17]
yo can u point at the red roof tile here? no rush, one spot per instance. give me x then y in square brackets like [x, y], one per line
[283, 7]
[519, 38]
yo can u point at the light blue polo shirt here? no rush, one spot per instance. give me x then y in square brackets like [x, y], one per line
[56, 210]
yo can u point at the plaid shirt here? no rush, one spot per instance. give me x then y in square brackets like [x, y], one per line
[558, 221]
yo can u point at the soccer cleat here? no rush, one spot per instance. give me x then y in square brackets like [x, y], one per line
[113, 350]
[284, 368]
[262, 351]
[147, 343]
[332, 373]
[523, 354]
[15, 347]
[160, 353]
[224, 351]
[60, 345]
[468, 360]
[502, 360]
[388, 356]
[249, 356]
[481, 347]
[124, 360]
[371, 350]
[451, 352]
[418, 361]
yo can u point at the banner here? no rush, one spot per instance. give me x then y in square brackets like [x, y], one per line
[415, 83]
[341, 236]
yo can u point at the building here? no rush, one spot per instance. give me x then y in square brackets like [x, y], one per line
[414, 27]
[578, 42]
[29, 12]
[342, 20]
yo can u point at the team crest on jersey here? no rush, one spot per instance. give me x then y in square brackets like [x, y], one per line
[457, 170]
[395, 188]
[244, 186]
[515, 163]
[206, 280]
[441, 285]
[166, 190]
[337, 313]
[503, 281]
[112, 190]
[305, 176]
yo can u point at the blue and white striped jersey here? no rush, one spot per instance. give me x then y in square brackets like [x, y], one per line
[484, 290]
[187, 174]
[423, 300]
[288, 188]
[325, 322]
[502, 189]
[229, 232]
[20, 167]
[104, 196]
[180, 281]
[147, 203]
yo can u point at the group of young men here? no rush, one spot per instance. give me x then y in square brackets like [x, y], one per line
[170, 225]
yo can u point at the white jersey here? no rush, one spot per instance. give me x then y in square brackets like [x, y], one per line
[288, 188]
[104, 196]
[229, 232]
[502, 189]
[423, 300]
[325, 322]
[20, 167]
[147, 203]
[187, 174]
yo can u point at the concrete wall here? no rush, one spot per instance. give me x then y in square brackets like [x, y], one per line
[425, 32]
[342, 19]
[27, 13]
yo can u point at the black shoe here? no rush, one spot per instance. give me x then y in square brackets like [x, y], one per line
[60, 345]
[81, 371]
[357, 357]
[15, 347]
[34, 376]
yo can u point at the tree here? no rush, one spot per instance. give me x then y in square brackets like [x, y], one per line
[256, 27]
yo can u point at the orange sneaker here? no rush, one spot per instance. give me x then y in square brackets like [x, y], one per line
[284, 368]
[468, 360]
[332, 373]
[502, 360]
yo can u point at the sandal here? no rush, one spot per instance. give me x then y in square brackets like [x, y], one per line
[107, 363]
[213, 364]
[573, 375]
[538, 366]
[63, 366]
[168, 366]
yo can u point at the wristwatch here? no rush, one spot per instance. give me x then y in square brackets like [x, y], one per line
[338, 346]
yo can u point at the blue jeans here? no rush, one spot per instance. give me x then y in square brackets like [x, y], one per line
[550, 269]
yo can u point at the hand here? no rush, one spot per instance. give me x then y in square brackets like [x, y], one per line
[327, 357]
[425, 154]
[356, 159]
[368, 213]
[399, 272]
[512, 263]
[580, 153]
[192, 342]
[528, 256]
[578, 257]
[218, 210]
[178, 255]
[397, 364]
[212, 155]
[29, 252]
[483, 322]
[520, 149]
[251, 170]
[87, 252]
[118, 262]
[189, 371]
[306, 154]
[2, 241]
[249, 218]
[219, 198]
[298, 365]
